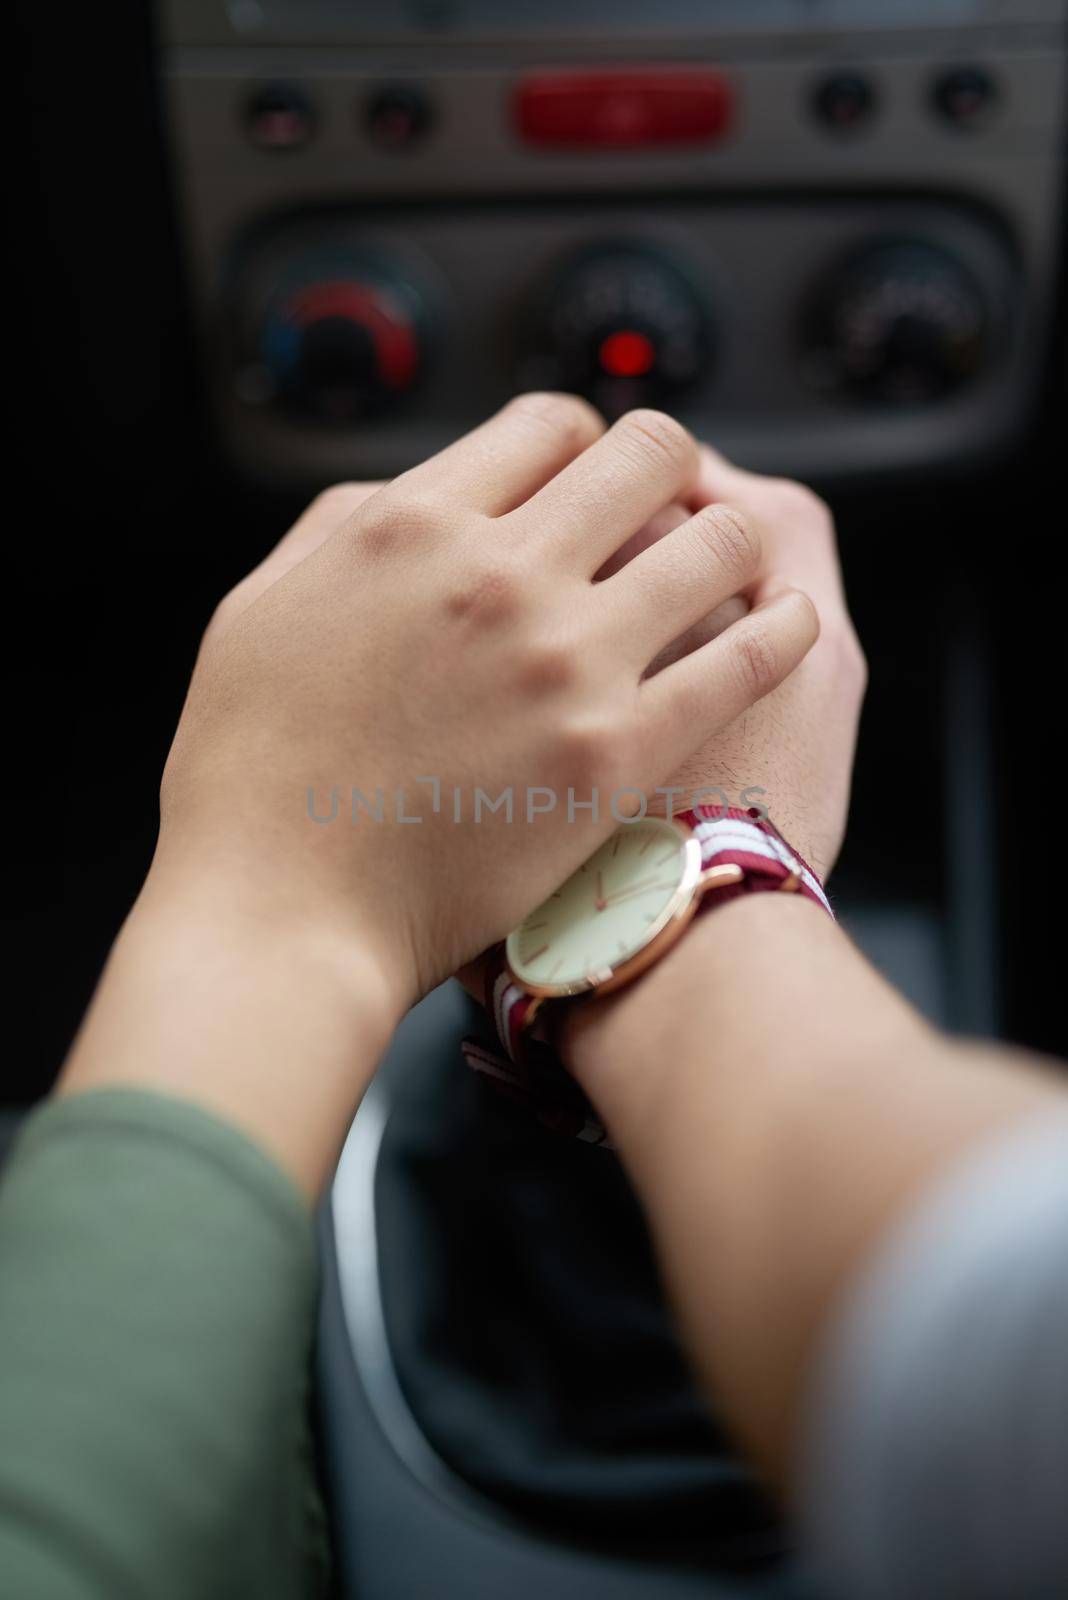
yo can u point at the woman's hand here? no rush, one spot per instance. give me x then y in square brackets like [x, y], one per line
[448, 638]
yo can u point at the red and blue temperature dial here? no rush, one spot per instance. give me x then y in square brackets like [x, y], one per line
[342, 342]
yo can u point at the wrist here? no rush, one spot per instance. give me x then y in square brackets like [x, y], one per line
[267, 895]
[705, 1008]
[273, 1023]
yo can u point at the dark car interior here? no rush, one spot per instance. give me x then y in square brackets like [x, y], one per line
[262, 246]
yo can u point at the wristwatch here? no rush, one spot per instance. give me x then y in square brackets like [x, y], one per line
[609, 922]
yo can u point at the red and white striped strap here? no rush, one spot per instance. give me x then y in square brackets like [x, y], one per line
[528, 1069]
[751, 841]
[540, 1084]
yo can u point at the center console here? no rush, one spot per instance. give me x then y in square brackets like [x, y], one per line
[823, 231]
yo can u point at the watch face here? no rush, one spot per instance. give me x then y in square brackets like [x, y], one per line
[610, 911]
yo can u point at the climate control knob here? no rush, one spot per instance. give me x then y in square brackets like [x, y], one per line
[901, 322]
[339, 340]
[623, 326]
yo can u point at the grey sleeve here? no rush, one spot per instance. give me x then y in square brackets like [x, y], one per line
[935, 1453]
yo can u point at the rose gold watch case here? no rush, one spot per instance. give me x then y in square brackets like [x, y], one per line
[668, 927]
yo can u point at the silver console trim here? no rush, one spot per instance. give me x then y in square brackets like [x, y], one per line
[352, 1203]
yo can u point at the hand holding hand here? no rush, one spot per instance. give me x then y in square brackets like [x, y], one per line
[450, 629]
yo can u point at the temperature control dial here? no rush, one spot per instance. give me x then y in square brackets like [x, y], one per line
[623, 326]
[901, 322]
[337, 340]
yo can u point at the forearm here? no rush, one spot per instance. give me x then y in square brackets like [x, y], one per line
[274, 1023]
[778, 1107]
[155, 1335]
[165, 1266]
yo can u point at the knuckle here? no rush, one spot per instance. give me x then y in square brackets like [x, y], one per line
[565, 417]
[549, 667]
[397, 522]
[755, 658]
[653, 436]
[730, 539]
[491, 594]
[796, 502]
[591, 750]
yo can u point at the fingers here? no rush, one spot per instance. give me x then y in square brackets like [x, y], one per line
[500, 464]
[694, 698]
[709, 626]
[800, 550]
[663, 522]
[721, 479]
[796, 525]
[670, 586]
[592, 507]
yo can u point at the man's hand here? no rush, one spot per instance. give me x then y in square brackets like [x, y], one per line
[793, 752]
[798, 743]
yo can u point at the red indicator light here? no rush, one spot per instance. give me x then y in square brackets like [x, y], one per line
[627, 354]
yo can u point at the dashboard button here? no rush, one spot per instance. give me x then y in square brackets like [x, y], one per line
[280, 117]
[398, 117]
[845, 101]
[624, 326]
[899, 322]
[622, 110]
[965, 96]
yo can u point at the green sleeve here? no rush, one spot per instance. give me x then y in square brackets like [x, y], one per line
[157, 1296]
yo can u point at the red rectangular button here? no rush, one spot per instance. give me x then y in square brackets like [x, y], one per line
[622, 109]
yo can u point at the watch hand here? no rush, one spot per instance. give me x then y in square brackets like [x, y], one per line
[636, 889]
[598, 895]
